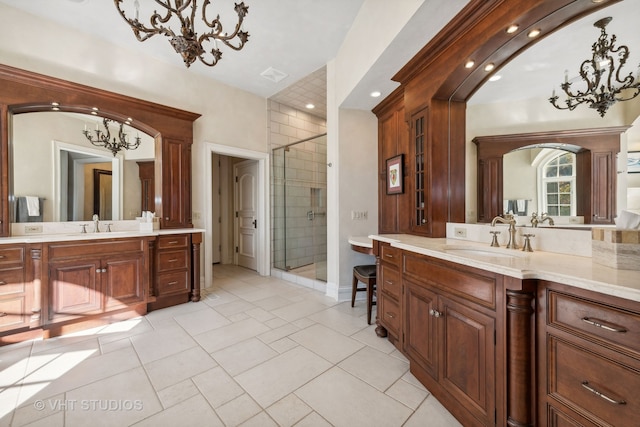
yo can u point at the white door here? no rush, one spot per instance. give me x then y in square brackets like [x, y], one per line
[246, 200]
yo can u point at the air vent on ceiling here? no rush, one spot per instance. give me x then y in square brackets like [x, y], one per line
[273, 74]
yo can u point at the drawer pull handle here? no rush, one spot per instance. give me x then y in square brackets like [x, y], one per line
[388, 255]
[2, 257]
[389, 282]
[175, 282]
[3, 314]
[604, 325]
[586, 385]
[2, 282]
[173, 242]
[391, 315]
[173, 260]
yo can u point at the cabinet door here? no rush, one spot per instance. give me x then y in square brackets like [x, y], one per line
[420, 328]
[74, 289]
[420, 166]
[15, 299]
[122, 281]
[467, 358]
[176, 184]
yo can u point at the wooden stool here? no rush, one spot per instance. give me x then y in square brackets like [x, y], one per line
[367, 275]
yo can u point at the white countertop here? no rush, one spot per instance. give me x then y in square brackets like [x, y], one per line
[577, 271]
[363, 241]
[62, 237]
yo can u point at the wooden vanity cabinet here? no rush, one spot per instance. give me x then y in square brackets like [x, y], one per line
[173, 270]
[91, 278]
[389, 293]
[589, 358]
[450, 334]
[16, 294]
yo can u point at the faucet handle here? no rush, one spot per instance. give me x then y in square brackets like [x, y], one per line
[494, 240]
[84, 228]
[108, 227]
[527, 242]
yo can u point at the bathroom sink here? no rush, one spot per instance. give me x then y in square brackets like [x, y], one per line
[489, 251]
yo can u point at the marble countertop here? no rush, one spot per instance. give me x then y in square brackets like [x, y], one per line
[62, 237]
[577, 271]
[362, 241]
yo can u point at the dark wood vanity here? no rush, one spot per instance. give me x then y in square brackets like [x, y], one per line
[494, 349]
[51, 285]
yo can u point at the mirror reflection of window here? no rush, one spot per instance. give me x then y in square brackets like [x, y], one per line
[558, 182]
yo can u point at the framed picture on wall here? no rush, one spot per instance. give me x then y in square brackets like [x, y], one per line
[395, 175]
[633, 162]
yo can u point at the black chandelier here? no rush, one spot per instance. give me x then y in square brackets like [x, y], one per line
[605, 82]
[103, 139]
[187, 42]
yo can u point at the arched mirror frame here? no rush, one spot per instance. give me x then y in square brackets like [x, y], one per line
[25, 91]
[596, 169]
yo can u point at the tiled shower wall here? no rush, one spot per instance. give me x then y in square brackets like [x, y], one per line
[304, 239]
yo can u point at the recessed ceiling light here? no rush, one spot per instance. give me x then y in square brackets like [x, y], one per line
[310, 106]
[490, 66]
[512, 28]
[495, 78]
[470, 63]
[534, 33]
[375, 94]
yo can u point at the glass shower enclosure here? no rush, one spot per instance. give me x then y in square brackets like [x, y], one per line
[298, 208]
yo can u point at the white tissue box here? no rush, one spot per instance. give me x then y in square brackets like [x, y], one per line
[149, 226]
[616, 248]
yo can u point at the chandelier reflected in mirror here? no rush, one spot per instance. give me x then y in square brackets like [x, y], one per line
[186, 40]
[602, 75]
[103, 139]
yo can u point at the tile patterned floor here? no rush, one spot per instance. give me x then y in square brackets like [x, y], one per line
[256, 351]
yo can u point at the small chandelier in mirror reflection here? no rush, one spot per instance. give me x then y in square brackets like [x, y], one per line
[605, 81]
[103, 139]
[186, 40]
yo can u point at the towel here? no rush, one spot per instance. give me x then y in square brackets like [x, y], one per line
[522, 205]
[33, 205]
[628, 220]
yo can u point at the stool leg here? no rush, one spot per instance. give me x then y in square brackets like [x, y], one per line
[354, 288]
[369, 300]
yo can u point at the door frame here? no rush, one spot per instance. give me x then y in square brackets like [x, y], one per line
[262, 213]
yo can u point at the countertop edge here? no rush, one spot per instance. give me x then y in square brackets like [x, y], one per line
[46, 238]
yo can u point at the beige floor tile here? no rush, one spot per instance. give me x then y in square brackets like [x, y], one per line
[305, 322]
[125, 329]
[368, 336]
[177, 393]
[344, 400]
[407, 394]
[260, 314]
[122, 399]
[339, 321]
[238, 410]
[326, 342]
[278, 333]
[153, 345]
[193, 412]
[299, 310]
[201, 321]
[217, 339]
[283, 345]
[313, 420]
[178, 367]
[217, 386]
[55, 420]
[260, 420]
[289, 410]
[433, 413]
[238, 317]
[272, 302]
[234, 307]
[276, 322]
[244, 355]
[34, 412]
[271, 381]
[217, 296]
[366, 363]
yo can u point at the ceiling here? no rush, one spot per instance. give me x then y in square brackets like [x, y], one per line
[298, 37]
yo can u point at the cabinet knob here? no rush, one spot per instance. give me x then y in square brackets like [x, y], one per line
[435, 313]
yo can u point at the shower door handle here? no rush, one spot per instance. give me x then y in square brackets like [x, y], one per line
[255, 223]
[311, 215]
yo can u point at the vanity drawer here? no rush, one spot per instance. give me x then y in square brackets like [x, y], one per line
[598, 386]
[173, 283]
[390, 282]
[390, 255]
[597, 321]
[13, 313]
[389, 314]
[173, 260]
[11, 255]
[173, 241]
[12, 281]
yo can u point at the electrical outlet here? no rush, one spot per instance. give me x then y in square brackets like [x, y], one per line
[359, 215]
[32, 229]
[196, 215]
[460, 232]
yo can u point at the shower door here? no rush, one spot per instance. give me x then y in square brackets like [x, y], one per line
[299, 208]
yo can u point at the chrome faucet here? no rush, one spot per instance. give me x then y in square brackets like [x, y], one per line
[508, 219]
[544, 217]
[96, 223]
